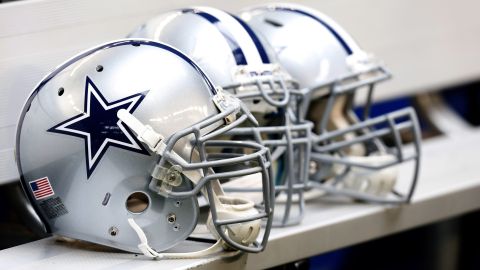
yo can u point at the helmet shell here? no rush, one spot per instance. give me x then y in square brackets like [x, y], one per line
[217, 41]
[312, 47]
[90, 195]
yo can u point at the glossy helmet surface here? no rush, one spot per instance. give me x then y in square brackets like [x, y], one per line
[238, 60]
[349, 153]
[112, 149]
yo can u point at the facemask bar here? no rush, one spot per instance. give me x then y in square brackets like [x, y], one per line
[347, 85]
[273, 86]
[329, 146]
[208, 179]
[292, 144]
[327, 150]
[277, 89]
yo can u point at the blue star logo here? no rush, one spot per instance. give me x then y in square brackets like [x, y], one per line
[99, 126]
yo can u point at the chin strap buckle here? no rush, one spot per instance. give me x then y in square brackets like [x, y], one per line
[145, 133]
[224, 101]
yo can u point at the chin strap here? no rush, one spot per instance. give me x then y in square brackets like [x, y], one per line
[375, 182]
[216, 248]
[227, 208]
[339, 121]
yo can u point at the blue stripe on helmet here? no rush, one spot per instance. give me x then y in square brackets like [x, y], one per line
[329, 28]
[237, 51]
[256, 41]
[134, 42]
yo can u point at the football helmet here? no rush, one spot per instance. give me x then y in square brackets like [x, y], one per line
[238, 60]
[112, 148]
[349, 153]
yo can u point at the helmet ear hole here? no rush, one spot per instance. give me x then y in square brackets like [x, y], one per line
[137, 202]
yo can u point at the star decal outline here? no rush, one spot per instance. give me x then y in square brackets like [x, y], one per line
[92, 95]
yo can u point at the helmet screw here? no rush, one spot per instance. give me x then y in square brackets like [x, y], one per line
[171, 218]
[172, 176]
[113, 231]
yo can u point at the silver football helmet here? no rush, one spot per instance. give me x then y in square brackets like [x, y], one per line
[238, 60]
[112, 148]
[349, 154]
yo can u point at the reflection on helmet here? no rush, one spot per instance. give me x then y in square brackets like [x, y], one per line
[349, 154]
[243, 64]
[112, 148]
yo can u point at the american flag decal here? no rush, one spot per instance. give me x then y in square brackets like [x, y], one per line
[41, 188]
